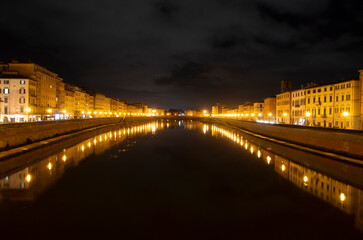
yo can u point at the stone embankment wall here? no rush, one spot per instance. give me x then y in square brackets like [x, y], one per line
[347, 142]
[17, 134]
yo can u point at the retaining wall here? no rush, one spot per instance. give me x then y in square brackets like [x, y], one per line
[347, 142]
[16, 134]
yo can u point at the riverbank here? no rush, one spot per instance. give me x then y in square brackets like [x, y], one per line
[344, 145]
[27, 137]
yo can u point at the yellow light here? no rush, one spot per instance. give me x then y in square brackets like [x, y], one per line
[283, 168]
[27, 110]
[95, 112]
[252, 114]
[28, 178]
[64, 111]
[342, 197]
[49, 166]
[251, 149]
[307, 114]
[306, 179]
[246, 114]
[258, 153]
[100, 112]
[49, 110]
[89, 144]
[260, 114]
[82, 148]
[82, 112]
[269, 114]
[268, 159]
[345, 114]
[64, 158]
[285, 114]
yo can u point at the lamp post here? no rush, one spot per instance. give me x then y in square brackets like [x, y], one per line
[307, 114]
[345, 114]
[28, 110]
[50, 112]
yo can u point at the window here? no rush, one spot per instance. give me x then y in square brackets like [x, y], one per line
[5, 110]
[324, 89]
[331, 98]
[308, 91]
[337, 99]
[336, 87]
[6, 90]
[22, 82]
[308, 100]
[324, 98]
[347, 97]
[343, 86]
[349, 85]
[319, 90]
[314, 91]
[21, 109]
[331, 88]
[5, 99]
[329, 111]
[22, 90]
[6, 81]
[342, 97]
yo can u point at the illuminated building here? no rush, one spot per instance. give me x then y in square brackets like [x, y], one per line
[69, 103]
[18, 98]
[47, 82]
[269, 109]
[319, 105]
[283, 103]
[346, 104]
[155, 112]
[298, 107]
[258, 110]
[245, 111]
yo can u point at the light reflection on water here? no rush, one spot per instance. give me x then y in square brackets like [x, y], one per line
[338, 194]
[30, 182]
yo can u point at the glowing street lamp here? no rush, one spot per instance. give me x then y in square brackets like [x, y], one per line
[307, 114]
[345, 115]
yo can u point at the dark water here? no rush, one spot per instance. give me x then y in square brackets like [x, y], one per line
[181, 180]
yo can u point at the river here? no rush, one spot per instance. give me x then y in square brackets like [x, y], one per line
[180, 180]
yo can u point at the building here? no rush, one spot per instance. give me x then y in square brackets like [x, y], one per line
[347, 104]
[219, 109]
[17, 97]
[269, 109]
[258, 111]
[298, 106]
[47, 82]
[245, 111]
[69, 103]
[283, 109]
[319, 105]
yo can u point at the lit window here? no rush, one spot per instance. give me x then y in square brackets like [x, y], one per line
[6, 90]
[22, 82]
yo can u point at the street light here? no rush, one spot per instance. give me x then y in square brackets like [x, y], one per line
[28, 110]
[345, 114]
[307, 114]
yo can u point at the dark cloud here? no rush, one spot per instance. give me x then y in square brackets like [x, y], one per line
[188, 53]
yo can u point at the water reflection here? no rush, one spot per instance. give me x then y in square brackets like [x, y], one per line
[338, 194]
[27, 184]
[31, 181]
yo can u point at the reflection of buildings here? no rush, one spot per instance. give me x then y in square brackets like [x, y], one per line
[30, 182]
[338, 194]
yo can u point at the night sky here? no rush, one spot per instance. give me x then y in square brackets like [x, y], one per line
[186, 53]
